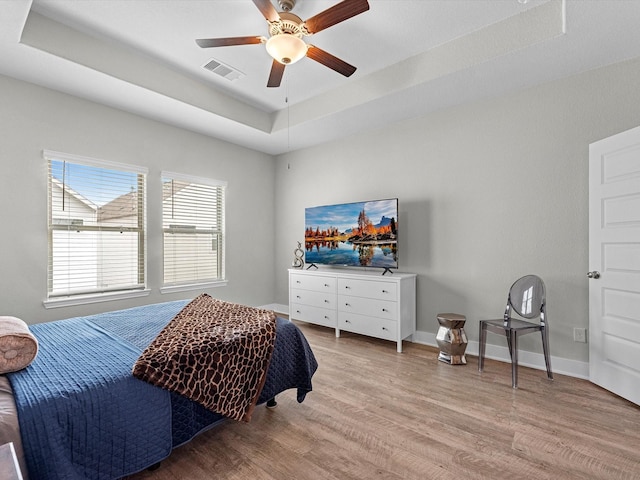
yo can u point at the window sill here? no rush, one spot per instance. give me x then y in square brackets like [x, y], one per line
[97, 298]
[192, 286]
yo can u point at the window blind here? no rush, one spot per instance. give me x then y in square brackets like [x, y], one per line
[96, 226]
[193, 229]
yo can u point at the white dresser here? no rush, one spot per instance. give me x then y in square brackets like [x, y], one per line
[365, 302]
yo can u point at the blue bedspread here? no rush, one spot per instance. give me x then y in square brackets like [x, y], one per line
[84, 416]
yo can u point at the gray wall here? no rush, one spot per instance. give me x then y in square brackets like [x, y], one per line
[488, 192]
[34, 118]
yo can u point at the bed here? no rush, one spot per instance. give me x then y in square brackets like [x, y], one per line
[81, 414]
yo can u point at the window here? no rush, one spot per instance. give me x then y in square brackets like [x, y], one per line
[96, 226]
[193, 230]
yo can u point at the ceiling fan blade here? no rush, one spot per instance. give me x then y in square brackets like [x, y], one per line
[275, 77]
[336, 14]
[328, 60]
[268, 10]
[227, 42]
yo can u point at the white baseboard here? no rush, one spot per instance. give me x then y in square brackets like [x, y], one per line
[277, 307]
[562, 366]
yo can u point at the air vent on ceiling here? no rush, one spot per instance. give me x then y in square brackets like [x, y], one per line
[225, 71]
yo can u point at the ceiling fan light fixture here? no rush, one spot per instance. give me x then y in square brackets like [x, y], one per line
[286, 48]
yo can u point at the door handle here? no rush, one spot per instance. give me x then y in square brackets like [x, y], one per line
[595, 274]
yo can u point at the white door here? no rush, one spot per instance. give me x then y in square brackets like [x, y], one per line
[614, 261]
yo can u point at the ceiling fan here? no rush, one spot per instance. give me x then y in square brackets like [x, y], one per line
[285, 44]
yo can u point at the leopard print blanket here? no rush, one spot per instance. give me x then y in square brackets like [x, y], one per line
[213, 352]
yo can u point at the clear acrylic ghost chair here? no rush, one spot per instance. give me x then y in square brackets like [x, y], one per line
[527, 298]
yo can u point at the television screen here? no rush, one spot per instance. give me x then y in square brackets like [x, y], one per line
[363, 234]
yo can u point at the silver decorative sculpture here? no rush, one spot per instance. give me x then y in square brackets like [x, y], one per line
[298, 254]
[451, 338]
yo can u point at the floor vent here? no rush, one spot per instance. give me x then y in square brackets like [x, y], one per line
[225, 71]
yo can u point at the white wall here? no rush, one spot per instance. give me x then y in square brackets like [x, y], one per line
[488, 192]
[34, 118]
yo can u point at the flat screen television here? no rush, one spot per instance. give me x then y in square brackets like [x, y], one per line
[358, 234]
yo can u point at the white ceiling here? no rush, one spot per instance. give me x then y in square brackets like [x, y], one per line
[413, 57]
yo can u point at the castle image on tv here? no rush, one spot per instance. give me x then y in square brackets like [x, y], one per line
[363, 234]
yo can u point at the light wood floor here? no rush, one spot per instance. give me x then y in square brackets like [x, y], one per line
[375, 413]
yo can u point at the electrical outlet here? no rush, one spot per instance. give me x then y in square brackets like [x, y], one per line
[580, 335]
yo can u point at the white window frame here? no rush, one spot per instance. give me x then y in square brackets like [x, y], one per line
[197, 285]
[69, 299]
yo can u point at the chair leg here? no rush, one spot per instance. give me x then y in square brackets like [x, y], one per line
[481, 347]
[545, 349]
[513, 335]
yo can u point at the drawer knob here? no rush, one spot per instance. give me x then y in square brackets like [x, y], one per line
[347, 286]
[347, 321]
[297, 311]
[385, 310]
[384, 291]
[297, 296]
[327, 317]
[347, 305]
[384, 328]
[326, 301]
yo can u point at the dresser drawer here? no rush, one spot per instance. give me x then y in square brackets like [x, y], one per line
[368, 289]
[371, 326]
[313, 282]
[365, 303]
[307, 313]
[313, 298]
[368, 307]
